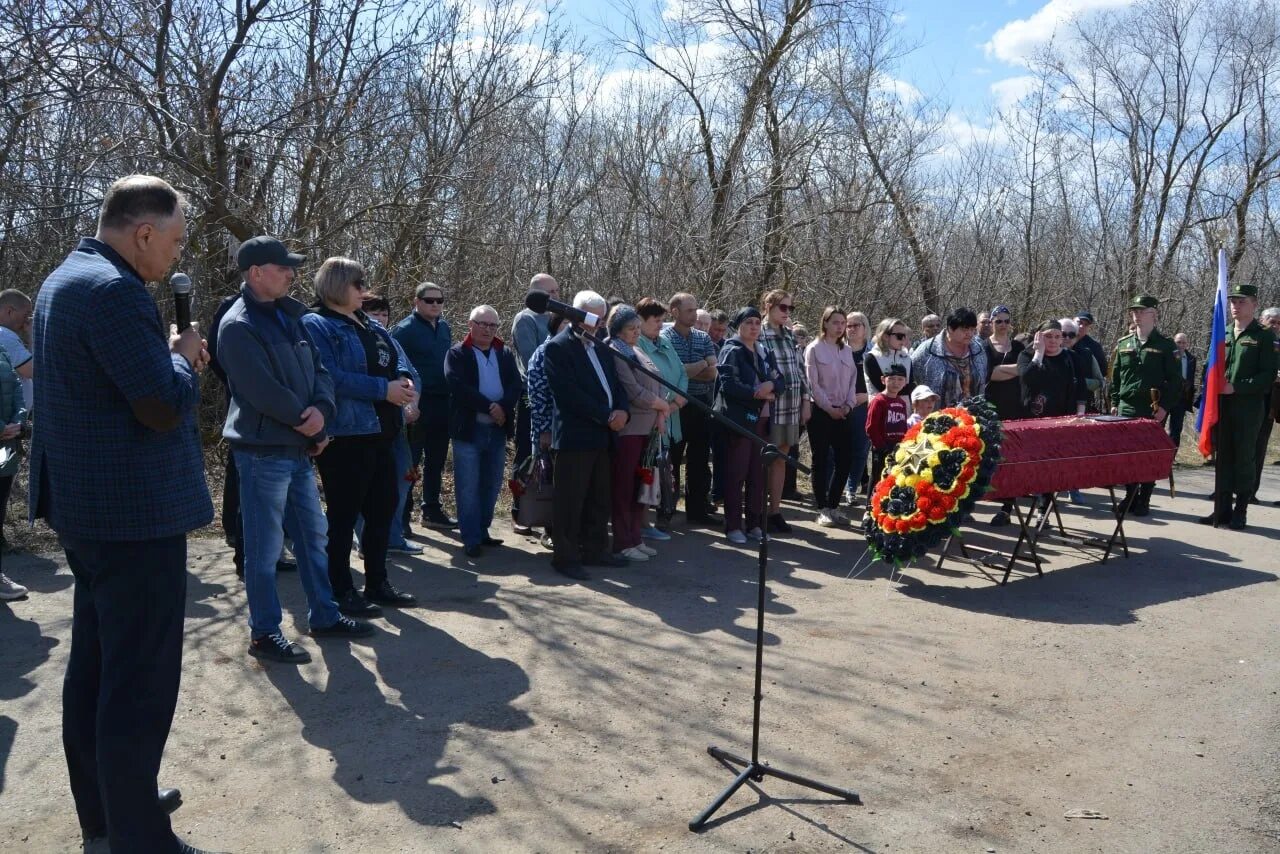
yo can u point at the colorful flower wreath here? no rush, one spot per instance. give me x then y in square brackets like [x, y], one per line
[941, 468]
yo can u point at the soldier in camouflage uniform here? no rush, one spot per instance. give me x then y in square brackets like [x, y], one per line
[1144, 361]
[1251, 369]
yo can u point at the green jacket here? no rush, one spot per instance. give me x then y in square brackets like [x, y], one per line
[1138, 367]
[1251, 359]
[664, 355]
[12, 411]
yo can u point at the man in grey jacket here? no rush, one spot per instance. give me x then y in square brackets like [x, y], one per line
[281, 397]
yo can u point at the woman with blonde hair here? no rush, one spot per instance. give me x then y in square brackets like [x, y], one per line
[890, 346]
[371, 385]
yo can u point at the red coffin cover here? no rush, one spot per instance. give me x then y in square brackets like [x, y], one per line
[1078, 452]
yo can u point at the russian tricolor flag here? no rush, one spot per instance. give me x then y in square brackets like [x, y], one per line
[1216, 363]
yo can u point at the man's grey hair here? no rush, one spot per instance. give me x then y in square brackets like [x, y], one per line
[930, 318]
[480, 311]
[590, 301]
[1069, 324]
[541, 280]
[1274, 311]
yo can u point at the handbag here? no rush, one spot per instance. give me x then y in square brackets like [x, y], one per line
[648, 483]
[533, 484]
[666, 482]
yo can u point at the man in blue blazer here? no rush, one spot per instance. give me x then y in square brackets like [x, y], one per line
[590, 407]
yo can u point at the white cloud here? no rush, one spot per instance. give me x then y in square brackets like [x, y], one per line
[1009, 91]
[904, 91]
[1019, 39]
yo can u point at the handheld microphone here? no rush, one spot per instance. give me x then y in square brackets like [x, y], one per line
[540, 302]
[181, 285]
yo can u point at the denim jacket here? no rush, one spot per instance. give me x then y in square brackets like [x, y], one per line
[12, 411]
[344, 358]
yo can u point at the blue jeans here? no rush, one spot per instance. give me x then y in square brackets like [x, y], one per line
[278, 496]
[861, 445]
[396, 540]
[478, 466]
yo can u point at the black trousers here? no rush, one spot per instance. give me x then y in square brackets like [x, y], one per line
[429, 444]
[231, 529]
[359, 477]
[121, 685]
[582, 491]
[879, 456]
[694, 451]
[829, 434]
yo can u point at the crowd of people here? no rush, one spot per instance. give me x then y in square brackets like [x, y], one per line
[334, 415]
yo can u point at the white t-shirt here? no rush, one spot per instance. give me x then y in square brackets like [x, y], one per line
[18, 355]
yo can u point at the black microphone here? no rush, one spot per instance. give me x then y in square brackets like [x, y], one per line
[540, 302]
[181, 285]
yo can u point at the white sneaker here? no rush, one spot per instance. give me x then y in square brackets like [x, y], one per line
[848, 495]
[634, 554]
[755, 535]
[737, 538]
[10, 589]
[647, 550]
[826, 519]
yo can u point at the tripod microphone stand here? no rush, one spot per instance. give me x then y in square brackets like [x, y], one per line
[752, 769]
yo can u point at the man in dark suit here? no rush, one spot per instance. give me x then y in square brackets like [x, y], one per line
[590, 407]
[1187, 370]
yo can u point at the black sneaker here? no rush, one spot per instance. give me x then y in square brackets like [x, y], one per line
[491, 542]
[439, 521]
[353, 604]
[1000, 519]
[778, 525]
[286, 565]
[277, 647]
[188, 848]
[345, 627]
[385, 594]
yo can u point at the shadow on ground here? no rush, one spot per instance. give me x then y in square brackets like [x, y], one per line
[1101, 594]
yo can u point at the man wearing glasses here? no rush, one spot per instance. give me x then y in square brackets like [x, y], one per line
[484, 386]
[426, 338]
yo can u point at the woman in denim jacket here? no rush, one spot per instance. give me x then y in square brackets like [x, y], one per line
[358, 470]
[13, 424]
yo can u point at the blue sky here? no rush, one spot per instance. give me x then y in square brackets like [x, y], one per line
[969, 52]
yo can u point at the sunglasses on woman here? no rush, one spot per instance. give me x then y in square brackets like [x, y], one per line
[901, 336]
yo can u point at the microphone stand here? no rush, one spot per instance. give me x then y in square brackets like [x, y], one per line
[752, 769]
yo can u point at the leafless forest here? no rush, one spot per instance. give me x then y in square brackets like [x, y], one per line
[721, 146]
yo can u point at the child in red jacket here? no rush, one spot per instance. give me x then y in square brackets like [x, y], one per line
[887, 421]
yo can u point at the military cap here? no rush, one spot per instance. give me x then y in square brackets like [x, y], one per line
[1143, 301]
[1244, 291]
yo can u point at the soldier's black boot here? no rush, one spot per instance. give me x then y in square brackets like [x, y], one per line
[1130, 502]
[1142, 502]
[1221, 514]
[1238, 515]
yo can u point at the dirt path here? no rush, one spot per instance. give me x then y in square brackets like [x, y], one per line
[516, 712]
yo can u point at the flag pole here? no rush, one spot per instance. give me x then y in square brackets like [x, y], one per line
[1215, 432]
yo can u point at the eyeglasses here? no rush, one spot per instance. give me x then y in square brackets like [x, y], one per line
[359, 285]
[432, 300]
[901, 336]
[785, 307]
[853, 325]
[1069, 334]
[1004, 322]
[484, 324]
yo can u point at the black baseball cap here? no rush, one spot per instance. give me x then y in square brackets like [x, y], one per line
[1084, 315]
[266, 250]
[896, 370]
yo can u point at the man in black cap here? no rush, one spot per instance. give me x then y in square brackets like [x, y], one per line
[1144, 381]
[281, 399]
[1089, 344]
[1251, 369]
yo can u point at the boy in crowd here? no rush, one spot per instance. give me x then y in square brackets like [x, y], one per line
[887, 420]
[923, 401]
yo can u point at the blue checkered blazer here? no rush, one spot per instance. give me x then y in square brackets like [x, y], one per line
[96, 472]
